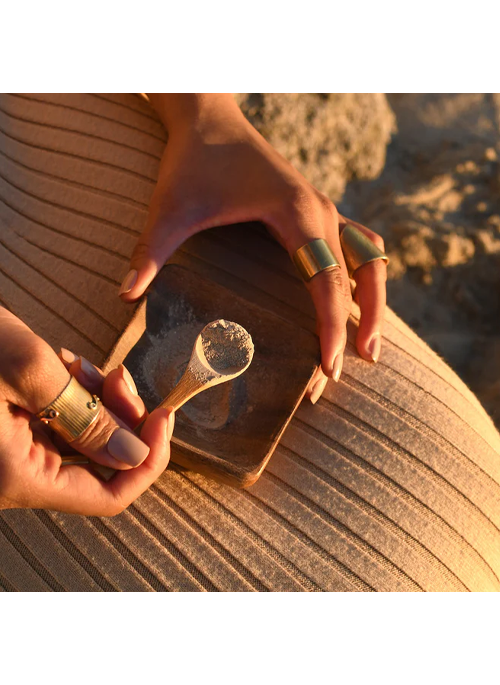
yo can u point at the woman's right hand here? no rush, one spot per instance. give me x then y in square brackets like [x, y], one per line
[31, 475]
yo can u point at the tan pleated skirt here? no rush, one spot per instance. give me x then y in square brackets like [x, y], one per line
[390, 483]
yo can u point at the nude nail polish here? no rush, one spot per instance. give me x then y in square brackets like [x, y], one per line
[126, 447]
[68, 356]
[90, 371]
[128, 282]
[374, 346]
[337, 367]
[317, 390]
[127, 377]
[170, 424]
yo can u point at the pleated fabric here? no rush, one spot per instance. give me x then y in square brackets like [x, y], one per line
[390, 483]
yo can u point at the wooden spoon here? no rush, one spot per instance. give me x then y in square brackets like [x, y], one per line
[200, 373]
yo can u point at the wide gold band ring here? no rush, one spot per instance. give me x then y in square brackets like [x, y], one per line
[314, 257]
[358, 249]
[72, 412]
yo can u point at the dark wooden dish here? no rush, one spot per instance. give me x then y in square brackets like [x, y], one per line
[228, 432]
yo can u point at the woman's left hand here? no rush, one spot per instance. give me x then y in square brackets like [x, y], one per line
[218, 170]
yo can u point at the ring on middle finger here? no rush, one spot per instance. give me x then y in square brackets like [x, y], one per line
[314, 257]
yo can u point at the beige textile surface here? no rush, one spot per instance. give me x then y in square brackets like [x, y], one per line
[390, 483]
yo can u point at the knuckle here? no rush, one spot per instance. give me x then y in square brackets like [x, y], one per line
[98, 433]
[141, 250]
[339, 285]
[299, 199]
[28, 364]
[338, 294]
[327, 205]
[30, 356]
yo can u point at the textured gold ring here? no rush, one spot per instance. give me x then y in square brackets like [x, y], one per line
[72, 412]
[314, 257]
[358, 249]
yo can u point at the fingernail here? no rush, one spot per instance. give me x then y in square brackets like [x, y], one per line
[127, 377]
[317, 390]
[170, 423]
[90, 371]
[374, 346]
[337, 367]
[125, 446]
[68, 356]
[128, 282]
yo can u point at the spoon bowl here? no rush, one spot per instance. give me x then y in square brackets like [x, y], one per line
[222, 351]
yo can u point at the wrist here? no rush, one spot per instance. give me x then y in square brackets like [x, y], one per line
[200, 112]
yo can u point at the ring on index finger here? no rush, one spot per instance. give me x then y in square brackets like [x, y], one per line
[314, 257]
[72, 412]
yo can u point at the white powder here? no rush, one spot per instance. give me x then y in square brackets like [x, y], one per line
[226, 345]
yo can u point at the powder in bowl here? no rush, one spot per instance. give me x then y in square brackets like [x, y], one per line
[227, 346]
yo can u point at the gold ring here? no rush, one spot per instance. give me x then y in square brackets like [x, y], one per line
[72, 412]
[358, 249]
[314, 257]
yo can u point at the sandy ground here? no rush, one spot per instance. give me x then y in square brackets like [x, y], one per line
[432, 191]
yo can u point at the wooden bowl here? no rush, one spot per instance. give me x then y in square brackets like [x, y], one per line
[228, 432]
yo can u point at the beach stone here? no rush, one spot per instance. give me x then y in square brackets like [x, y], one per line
[452, 249]
[488, 241]
[437, 206]
[331, 138]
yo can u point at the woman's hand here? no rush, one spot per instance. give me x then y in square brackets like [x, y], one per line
[31, 377]
[216, 170]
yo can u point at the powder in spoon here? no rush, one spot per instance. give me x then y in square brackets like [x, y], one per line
[226, 345]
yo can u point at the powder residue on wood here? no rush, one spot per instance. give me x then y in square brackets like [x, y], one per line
[226, 345]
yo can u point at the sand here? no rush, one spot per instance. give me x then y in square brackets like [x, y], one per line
[227, 346]
[436, 202]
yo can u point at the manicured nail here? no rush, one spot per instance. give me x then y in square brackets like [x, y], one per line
[125, 446]
[337, 367]
[374, 346]
[90, 371]
[128, 282]
[68, 356]
[317, 390]
[127, 377]
[170, 423]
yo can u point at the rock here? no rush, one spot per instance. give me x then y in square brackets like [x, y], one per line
[488, 241]
[490, 154]
[416, 250]
[330, 138]
[437, 204]
[452, 249]
[494, 220]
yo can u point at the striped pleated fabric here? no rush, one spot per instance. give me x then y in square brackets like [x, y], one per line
[390, 483]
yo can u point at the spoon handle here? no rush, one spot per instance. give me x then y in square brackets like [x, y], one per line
[186, 388]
